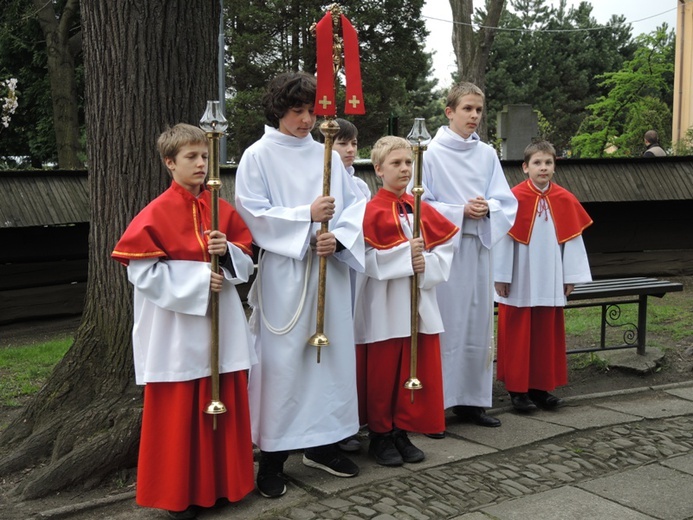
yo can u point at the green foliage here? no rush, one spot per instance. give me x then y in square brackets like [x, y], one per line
[31, 137]
[266, 38]
[24, 368]
[548, 57]
[637, 99]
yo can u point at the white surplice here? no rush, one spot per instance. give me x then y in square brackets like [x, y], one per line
[172, 323]
[383, 292]
[537, 271]
[294, 401]
[456, 170]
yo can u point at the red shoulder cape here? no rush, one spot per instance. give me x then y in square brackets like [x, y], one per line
[569, 217]
[172, 227]
[382, 227]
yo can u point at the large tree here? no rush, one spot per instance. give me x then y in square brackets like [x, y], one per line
[46, 59]
[148, 64]
[61, 49]
[472, 47]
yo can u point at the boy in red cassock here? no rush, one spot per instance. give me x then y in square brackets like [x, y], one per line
[383, 297]
[185, 464]
[536, 267]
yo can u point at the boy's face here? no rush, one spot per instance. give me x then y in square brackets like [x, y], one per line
[347, 149]
[540, 169]
[395, 170]
[465, 118]
[189, 166]
[298, 121]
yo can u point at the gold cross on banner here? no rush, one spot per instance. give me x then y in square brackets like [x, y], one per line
[324, 102]
[354, 101]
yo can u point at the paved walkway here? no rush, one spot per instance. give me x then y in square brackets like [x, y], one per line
[623, 455]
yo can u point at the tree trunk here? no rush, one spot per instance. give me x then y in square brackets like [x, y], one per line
[148, 64]
[61, 72]
[472, 48]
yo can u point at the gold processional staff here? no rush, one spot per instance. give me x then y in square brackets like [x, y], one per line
[419, 139]
[214, 124]
[333, 50]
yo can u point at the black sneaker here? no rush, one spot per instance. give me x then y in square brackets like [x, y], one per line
[406, 449]
[350, 444]
[329, 458]
[382, 449]
[270, 477]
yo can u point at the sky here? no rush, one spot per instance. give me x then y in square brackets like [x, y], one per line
[645, 16]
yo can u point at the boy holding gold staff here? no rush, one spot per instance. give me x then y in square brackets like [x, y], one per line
[383, 296]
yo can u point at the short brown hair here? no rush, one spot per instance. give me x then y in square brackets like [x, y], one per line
[286, 91]
[176, 137]
[539, 146]
[458, 91]
[386, 145]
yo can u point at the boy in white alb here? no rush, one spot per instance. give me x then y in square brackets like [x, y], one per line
[536, 267]
[463, 179]
[295, 402]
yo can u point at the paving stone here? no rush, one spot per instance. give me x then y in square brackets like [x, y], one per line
[572, 503]
[652, 406]
[636, 489]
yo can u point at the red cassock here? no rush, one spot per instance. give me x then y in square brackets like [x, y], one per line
[182, 459]
[386, 364]
[531, 340]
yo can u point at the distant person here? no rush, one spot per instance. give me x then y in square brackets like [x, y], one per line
[536, 266]
[653, 149]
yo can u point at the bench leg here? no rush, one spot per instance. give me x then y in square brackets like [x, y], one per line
[642, 324]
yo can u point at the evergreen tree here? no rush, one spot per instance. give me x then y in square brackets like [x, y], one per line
[638, 98]
[548, 57]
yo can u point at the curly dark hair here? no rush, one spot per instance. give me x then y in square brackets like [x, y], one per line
[286, 91]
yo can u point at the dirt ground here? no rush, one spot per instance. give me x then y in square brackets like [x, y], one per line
[585, 378]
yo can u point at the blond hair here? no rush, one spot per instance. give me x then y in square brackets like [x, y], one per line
[174, 138]
[460, 90]
[386, 145]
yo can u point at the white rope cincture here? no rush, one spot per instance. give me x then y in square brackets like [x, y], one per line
[281, 331]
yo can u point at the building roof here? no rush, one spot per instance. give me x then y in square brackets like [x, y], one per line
[61, 197]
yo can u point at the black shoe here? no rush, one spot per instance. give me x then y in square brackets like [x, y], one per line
[521, 402]
[544, 400]
[189, 514]
[328, 458]
[476, 415]
[382, 449]
[270, 477]
[350, 444]
[406, 449]
[437, 435]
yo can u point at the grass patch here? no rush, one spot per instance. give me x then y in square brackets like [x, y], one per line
[24, 368]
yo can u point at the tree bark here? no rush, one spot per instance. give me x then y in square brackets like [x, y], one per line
[148, 64]
[472, 48]
[61, 72]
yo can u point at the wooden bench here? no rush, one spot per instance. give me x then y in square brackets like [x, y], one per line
[610, 295]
